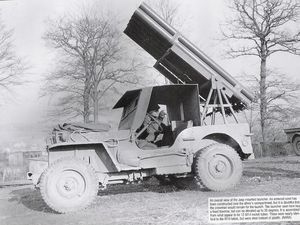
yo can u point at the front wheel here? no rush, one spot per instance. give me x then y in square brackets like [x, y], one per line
[296, 145]
[218, 167]
[69, 185]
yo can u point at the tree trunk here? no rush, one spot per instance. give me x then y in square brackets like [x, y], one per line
[86, 106]
[263, 97]
[96, 107]
[86, 93]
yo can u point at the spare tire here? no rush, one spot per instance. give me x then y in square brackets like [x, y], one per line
[218, 167]
[69, 185]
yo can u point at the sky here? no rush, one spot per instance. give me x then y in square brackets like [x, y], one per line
[201, 20]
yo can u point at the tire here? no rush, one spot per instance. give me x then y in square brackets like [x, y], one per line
[69, 185]
[296, 145]
[218, 167]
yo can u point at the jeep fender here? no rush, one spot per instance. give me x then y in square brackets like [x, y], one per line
[235, 135]
[100, 155]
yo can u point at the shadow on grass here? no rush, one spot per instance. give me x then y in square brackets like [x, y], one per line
[153, 185]
[31, 199]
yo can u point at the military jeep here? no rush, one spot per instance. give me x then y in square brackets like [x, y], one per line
[205, 142]
[82, 160]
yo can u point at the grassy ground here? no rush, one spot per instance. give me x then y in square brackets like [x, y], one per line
[150, 203]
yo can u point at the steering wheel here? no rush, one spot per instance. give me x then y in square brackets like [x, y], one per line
[155, 121]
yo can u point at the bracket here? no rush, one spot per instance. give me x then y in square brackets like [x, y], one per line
[215, 101]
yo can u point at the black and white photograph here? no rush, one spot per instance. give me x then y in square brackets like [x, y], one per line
[134, 112]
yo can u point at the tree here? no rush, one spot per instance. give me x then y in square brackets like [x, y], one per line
[281, 103]
[261, 28]
[93, 61]
[66, 82]
[11, 66]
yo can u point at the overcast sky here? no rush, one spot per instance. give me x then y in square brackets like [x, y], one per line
[27, 18]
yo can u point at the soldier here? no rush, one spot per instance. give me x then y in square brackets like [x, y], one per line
[150, 126]
[157, 133]
[164, 136]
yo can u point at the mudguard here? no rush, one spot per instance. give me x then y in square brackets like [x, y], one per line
[198, 137]
[101, 155]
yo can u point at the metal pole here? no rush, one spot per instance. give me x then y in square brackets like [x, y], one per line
[230, 106]
[206, 105]
[221, 103]
[213, 117]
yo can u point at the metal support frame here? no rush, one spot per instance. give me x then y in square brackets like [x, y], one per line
[216, 94]
[216, 101]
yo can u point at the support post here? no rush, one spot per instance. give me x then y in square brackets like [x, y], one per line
[217, 94]
[213, 116]
[206, 105]
[222, 106]
[230, 106]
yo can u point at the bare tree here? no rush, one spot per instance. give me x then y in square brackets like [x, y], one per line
[93, 61]
[282, 96]
[260, 28]
[65, 86]
[11, 66]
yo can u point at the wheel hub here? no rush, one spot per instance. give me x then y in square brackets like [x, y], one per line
[70, 184]
[220, 167]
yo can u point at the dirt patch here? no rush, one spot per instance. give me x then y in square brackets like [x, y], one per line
[151, 203]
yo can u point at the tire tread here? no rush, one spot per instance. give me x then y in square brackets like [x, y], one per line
[198, 163]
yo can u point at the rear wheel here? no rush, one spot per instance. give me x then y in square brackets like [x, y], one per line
[218, 167]
[69, 185]
[296, 145]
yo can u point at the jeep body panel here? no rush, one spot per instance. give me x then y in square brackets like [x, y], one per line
[177, 158]
[98, 154]
[187, 143]
[240, 133]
